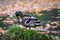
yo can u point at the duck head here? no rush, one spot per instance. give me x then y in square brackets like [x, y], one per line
[19, 14]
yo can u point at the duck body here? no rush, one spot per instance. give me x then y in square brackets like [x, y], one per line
[27, 20]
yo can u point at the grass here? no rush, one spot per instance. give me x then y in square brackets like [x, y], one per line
[16, 33]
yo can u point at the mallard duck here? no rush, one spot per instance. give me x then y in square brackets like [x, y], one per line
[27, 20]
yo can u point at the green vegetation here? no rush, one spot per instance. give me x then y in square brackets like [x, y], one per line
[47, 15]
[16, 33]
[4, 26]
